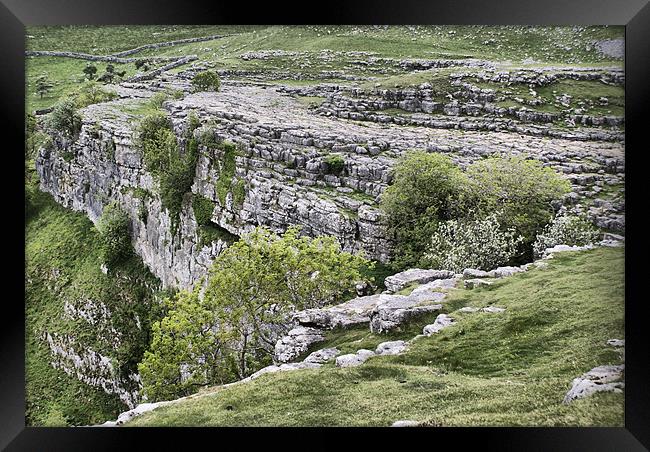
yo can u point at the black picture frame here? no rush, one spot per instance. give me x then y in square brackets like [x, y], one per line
[634, 14]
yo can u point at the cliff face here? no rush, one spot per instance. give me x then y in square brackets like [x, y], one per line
[282, 169]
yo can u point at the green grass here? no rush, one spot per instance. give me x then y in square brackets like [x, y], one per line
[63, 264]
[489, 369]
[66, 74]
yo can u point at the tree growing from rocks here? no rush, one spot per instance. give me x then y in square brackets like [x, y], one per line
[113, 227]
[252, 289]
[427, 188]
[65, 118]
[206, 81]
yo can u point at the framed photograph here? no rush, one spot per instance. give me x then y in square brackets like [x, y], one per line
[387, 215]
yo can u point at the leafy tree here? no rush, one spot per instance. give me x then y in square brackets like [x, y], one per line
[468, 243]
[253, 287]
[206, 81]
[110, 68]
[185, 350]
[113, 227]
[427, 188]
[65, 118]
[43, 85]
[90, 70]
[523, 190]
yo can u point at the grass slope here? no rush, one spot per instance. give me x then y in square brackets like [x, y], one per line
[489, 369]
[62, 264]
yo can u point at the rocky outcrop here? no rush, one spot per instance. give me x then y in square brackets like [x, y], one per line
[281, 167]
[296, 342]
[398, 281]
[598, 379]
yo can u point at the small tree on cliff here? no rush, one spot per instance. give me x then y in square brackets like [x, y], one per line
[253, 287]
[90, 70]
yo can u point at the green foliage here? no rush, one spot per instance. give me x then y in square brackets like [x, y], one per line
[239, 192]
[185, 350]
[115, 237]
[43, 85]
[65, 118]
[34, 137]
[480, 244]
[335, 163]
[206, 81]
[427, 188]
[226, 171]
[203, 208]
[92, 93]
[572, 230]
[523, 190]
[164, 159]
[253, 285]
[90, 70]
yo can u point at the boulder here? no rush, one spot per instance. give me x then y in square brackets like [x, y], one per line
[398, 281]
[354, 359]
[322, 356]
[441, 322]
[474, 273]
[391, 348]
[296, 342]
[405, 423]
[472, 283]
[598, 379]
[389, 316]
[492, 309]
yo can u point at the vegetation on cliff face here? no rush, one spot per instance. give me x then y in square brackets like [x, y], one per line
[252, 288]
[172, 166]
[510, 369]
[62, 276]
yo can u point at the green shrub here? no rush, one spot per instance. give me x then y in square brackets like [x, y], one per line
[92, 93]
[164, 159]
[481, 244]
[206, 81]
[427, 188]
[115, 237]
[239, 192]
[335, 164]
[65, 118]
[572, 230]
[523, 190]
[226, 171]
[203, 208]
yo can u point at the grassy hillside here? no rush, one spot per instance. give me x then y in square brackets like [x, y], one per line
[511, 45]
[63, 266]
[512, 368]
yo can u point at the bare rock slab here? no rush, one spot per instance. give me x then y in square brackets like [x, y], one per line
[598, 379]
[398, 281]
[441, 322]
[354, 359]
[296, 342]
[391, 348]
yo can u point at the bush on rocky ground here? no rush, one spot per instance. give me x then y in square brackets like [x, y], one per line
[481, 244]
[573, 230]
[206, 81]
[65, 118]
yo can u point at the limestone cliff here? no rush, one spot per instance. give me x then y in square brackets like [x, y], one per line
[282, 168]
